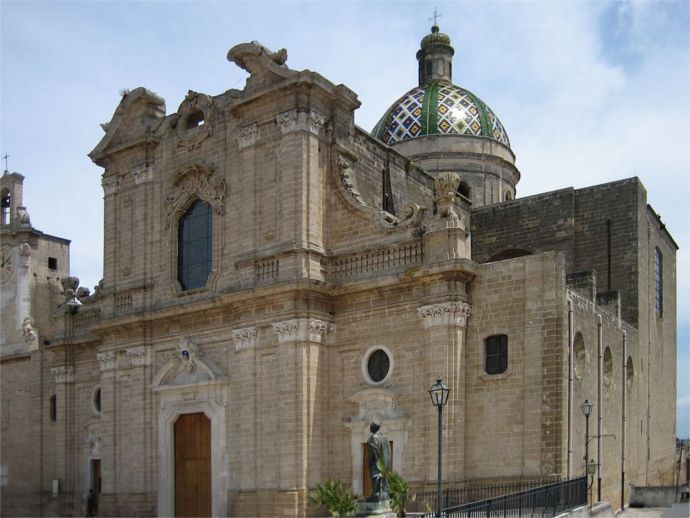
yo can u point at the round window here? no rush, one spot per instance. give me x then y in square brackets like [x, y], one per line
[377, 365]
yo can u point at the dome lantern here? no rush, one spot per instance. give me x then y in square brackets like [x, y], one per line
[435, 58]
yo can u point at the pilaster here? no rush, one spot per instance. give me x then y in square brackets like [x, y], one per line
[301, 387]
[446, 334]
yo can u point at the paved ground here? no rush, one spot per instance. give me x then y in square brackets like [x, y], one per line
[677, 511]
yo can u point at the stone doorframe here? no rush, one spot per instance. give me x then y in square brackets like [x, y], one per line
[376, 405]
[188, 384]
[175, 402]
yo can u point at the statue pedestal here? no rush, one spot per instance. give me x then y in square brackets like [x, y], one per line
[374, 509]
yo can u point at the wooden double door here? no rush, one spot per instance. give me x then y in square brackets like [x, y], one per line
[193, 465]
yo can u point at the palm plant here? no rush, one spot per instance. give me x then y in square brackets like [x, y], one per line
[398, 488]
[335, 497]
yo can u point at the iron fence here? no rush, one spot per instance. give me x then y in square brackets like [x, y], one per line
[545, 502]
[455, 496]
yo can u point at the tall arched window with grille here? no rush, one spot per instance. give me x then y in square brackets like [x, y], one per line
[195, 245]
[659, 281]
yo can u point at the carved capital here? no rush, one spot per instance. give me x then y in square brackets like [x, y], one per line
[142, 173]
[445, 314]
[287, 121]
[244, 338]
[303, 330]
[63, 374]
[247, 135]
[316, 121]
[110, 184]
[138, 356]
[106, 360]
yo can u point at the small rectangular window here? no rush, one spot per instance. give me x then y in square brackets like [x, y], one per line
[496, 348]
[52, 263]
[53, 408]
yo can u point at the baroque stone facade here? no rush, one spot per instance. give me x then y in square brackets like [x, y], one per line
[341, 277]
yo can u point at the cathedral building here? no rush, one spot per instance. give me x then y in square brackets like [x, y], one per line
[276, 278]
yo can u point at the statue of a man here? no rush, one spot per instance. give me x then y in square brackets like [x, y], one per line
[379, 451]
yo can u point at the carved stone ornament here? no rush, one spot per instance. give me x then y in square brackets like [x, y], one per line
[347, 176]
[110, 184]
[287, 121]
[63, 374]
[142, 173]
[445, 314]
[24, 254]
[187, 353]
[69, 290]
[303, 330]
[247, 135]
[29, 330]
[316, 121]
[244, 338]
[138, 356]
[446, 185]
[195, 180]
[189, 134]
[265, 67]
[23, 216]
[106, 360]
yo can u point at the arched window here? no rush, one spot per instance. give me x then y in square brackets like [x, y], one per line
[507, 196]
[464, 189]
[608, 366]
[659, 281]
[387, 192]
[580, 355]
[5, 201]
[496, 354]
[194, 246]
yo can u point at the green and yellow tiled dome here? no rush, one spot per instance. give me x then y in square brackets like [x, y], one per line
[439, 108]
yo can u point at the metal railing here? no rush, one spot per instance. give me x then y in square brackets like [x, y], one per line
[545, 502]
[472, 492]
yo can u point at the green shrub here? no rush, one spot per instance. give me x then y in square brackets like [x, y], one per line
[399, 490]
[335, 497]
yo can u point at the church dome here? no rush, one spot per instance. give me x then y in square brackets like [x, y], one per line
[437, 106]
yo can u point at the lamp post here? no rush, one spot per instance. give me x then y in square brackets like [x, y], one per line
[587, 410]
[439, 397]
[591, 469]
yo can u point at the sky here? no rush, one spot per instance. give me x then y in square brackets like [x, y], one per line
[589, 92]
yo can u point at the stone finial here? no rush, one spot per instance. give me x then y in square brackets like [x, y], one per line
[263, 65]
[446, 185]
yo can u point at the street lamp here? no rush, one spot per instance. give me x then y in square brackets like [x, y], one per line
[587, 410]
[439, 397]
[591, 469]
